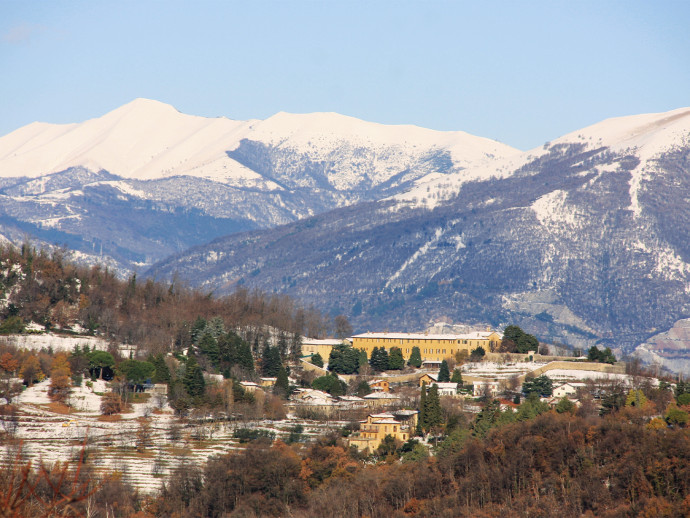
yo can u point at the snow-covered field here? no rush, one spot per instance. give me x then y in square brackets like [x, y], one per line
[35, 342]
[47, 436]
[500, 370]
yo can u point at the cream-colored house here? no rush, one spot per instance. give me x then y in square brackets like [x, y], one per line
[375, 427]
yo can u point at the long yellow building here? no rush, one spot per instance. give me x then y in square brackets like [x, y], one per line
[432, 347]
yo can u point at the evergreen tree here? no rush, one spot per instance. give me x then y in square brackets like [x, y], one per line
[282, 386]
[362, 359]
[457, 377]
[421, 417]
[270, 361]
[489, 417]
[296, 347]
[379, 359]
[444, 373]
[193, 379]
[363, 388]
[542, 386]
[415, 358]
[282, 344]
[330, 383]
[208, 346]
[216, 327]
[516, 340]
[343, 359]
[317, 360]
[162, 373]
[478, 354]
[198, 330]
[432, 413]
[396, 360]
[244, 356]
[227, 351]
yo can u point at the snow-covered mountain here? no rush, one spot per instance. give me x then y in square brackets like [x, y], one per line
[144, 180]
[584, 240]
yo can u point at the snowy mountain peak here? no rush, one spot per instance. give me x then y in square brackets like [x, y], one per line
[146, 139]
[654, 131]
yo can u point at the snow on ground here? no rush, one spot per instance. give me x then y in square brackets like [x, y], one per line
[47, 436]
[564, 375]
[500, 370]
[36, 342]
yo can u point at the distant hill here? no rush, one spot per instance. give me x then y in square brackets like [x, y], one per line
[582, 241]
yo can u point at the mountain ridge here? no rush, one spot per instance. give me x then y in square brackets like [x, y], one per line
[582, 241]
[235, 175]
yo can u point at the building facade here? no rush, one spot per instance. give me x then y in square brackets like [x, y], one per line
[311, 346]
[431, 346]
[375, 427]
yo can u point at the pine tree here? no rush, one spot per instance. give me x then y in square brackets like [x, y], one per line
[162, 373]
[216, 327]
[270, 361]
[296, 347]
[415, 358]
[282, 344]
[281, 387]
[193, 379]
[444, 373]
[244, 356]
[198, 330]
[208, 346]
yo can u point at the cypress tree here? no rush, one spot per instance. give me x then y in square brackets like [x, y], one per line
[421, 417]
[432, 412]
[444, 373]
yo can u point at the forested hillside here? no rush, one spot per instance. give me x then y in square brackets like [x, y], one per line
[44, 288]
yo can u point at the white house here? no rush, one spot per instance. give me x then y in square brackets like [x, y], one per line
[480, 388]
[447, 388]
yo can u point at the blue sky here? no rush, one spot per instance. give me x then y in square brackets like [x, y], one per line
[516, 71]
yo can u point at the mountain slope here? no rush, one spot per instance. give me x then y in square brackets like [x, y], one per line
[145, 181]
[583, 240]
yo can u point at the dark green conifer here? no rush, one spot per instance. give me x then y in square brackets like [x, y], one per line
[281, 388]
[415, 358]
[444, 373]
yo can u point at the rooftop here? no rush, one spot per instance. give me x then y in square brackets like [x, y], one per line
[476, 335]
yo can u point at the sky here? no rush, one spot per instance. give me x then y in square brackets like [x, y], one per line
[520, 72]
